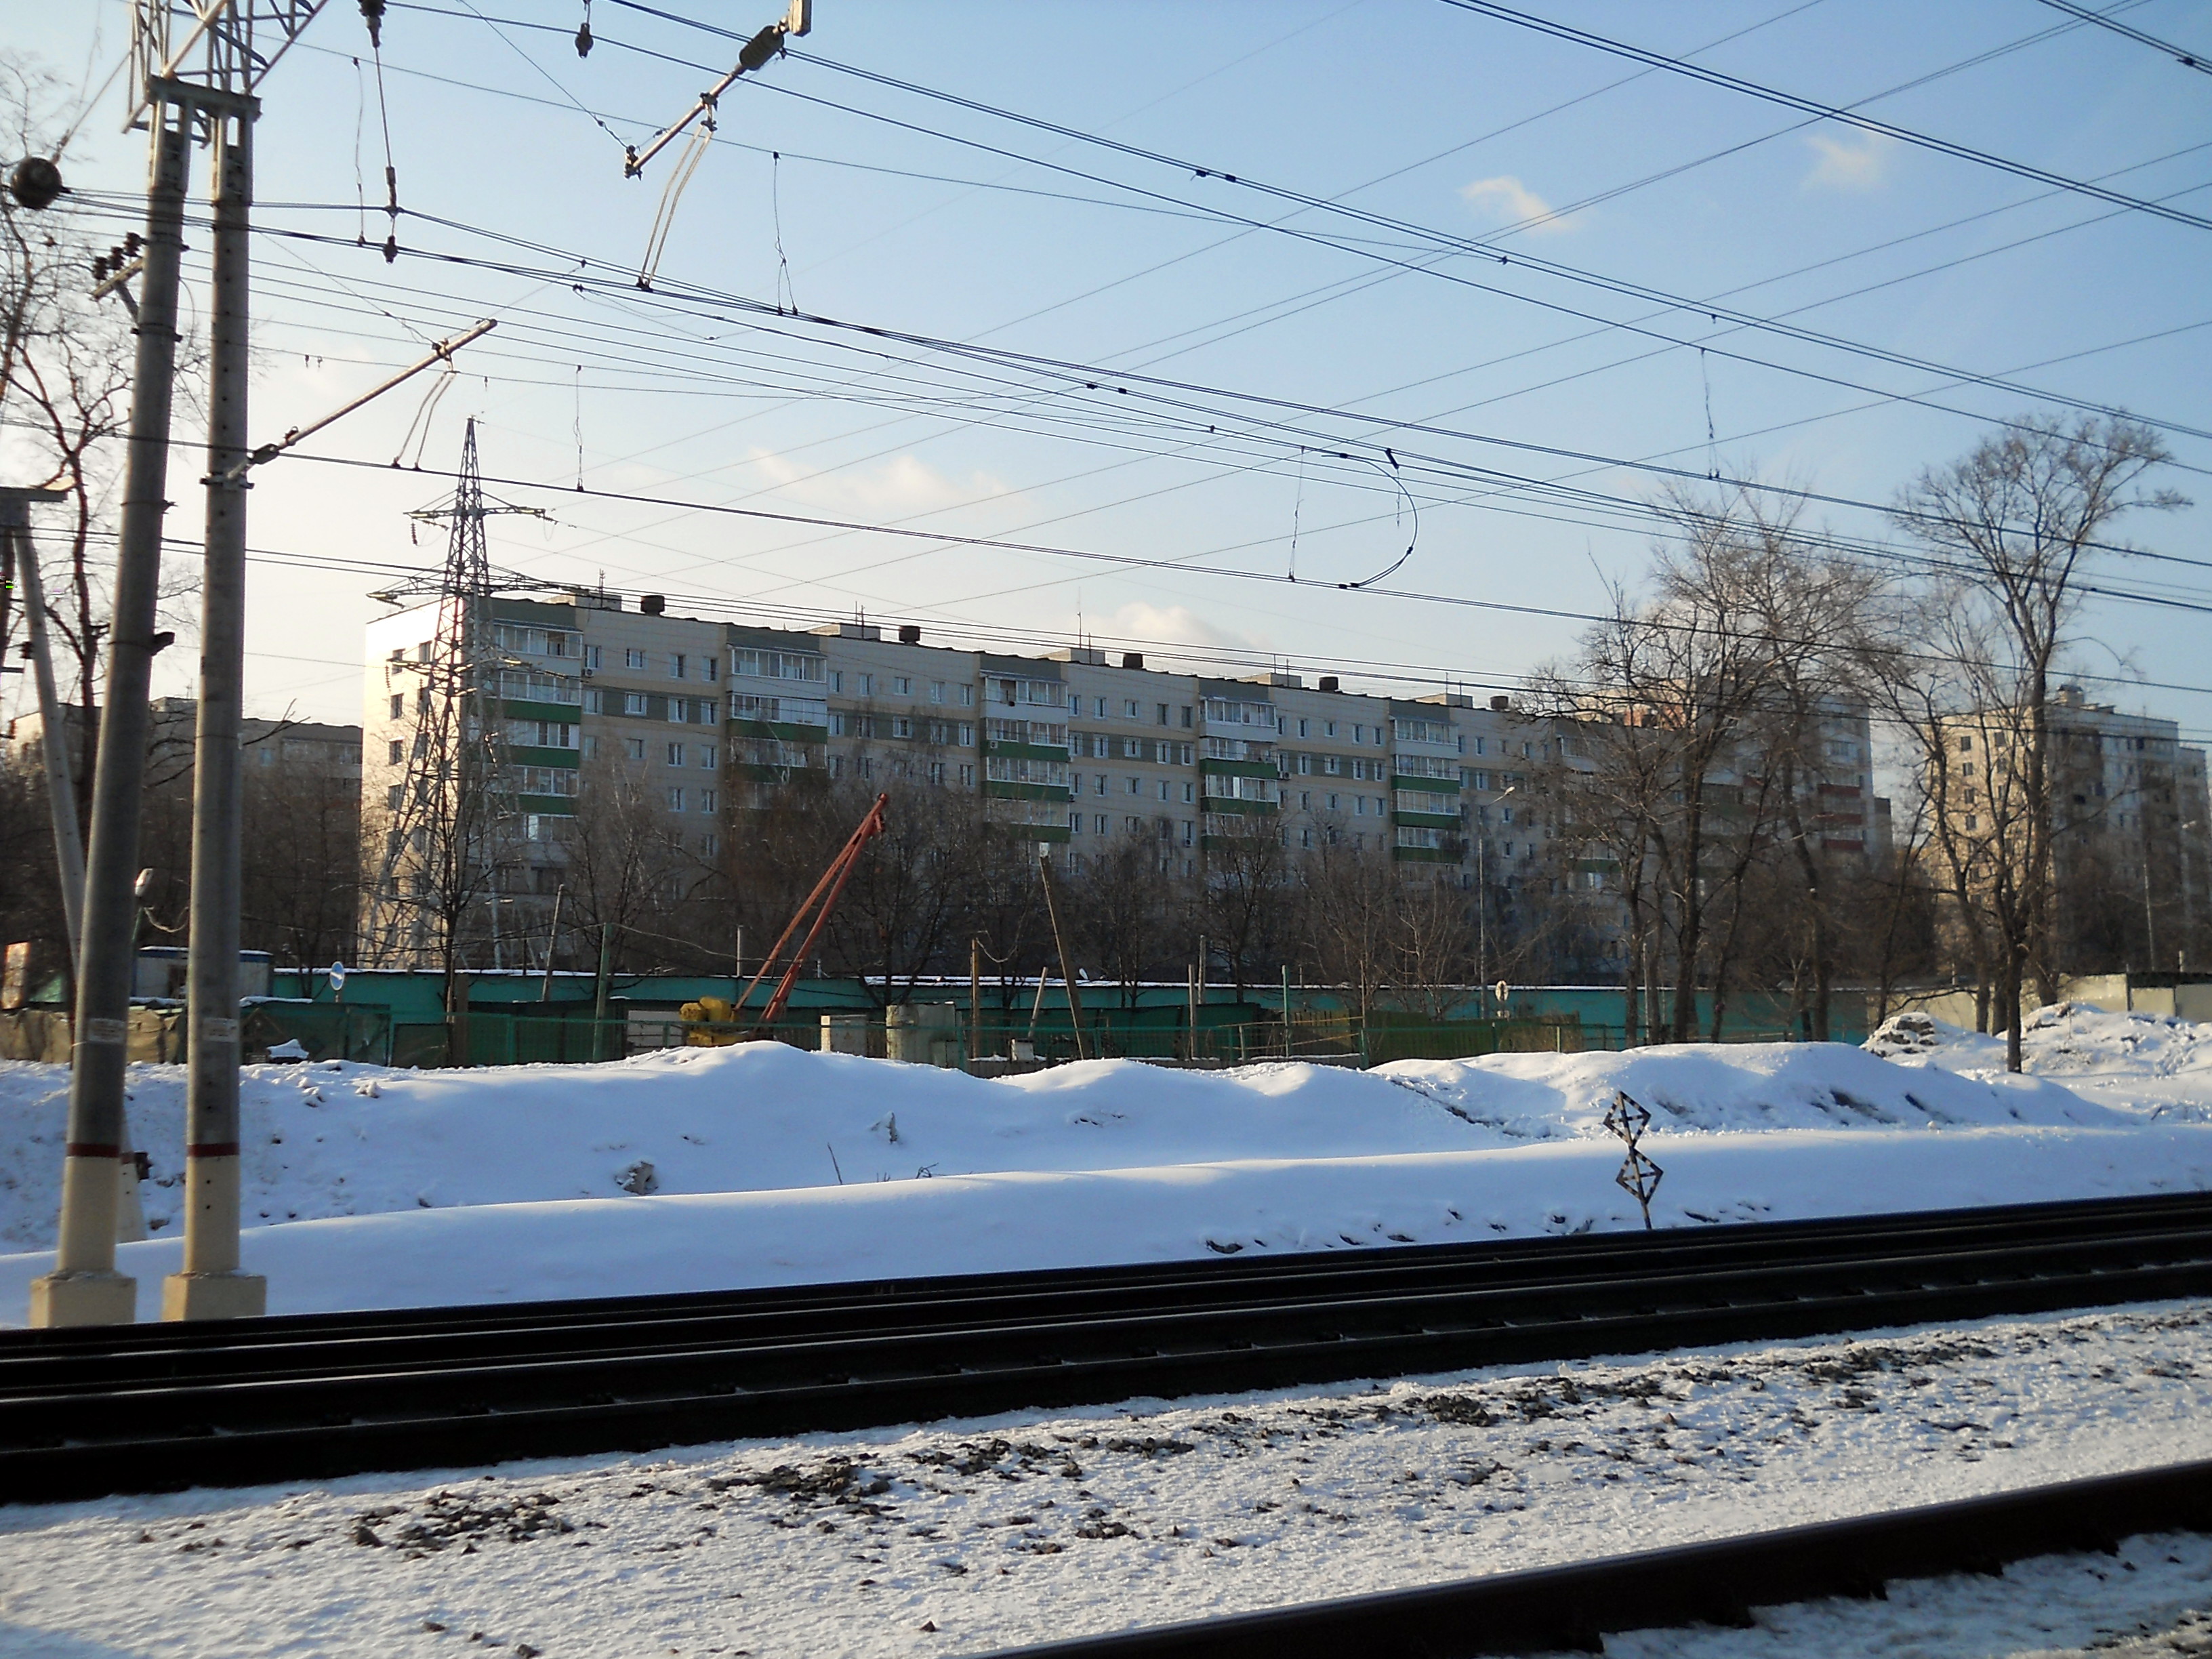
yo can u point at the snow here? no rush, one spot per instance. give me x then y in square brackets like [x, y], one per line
[1027, 1526]
[703, 1168]
[2153, 1066]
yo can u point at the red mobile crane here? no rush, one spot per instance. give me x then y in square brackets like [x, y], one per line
[825, 896]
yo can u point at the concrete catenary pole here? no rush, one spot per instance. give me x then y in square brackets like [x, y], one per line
[210, 1286]
[84, 1288]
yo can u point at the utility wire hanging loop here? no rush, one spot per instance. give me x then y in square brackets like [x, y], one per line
[1408, 505]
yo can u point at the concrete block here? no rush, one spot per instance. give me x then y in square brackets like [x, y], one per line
[215, 1295]
[84, 1298]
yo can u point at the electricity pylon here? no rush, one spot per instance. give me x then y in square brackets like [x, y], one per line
[454, 824]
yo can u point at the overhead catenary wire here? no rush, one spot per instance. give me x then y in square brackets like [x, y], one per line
[1885, 398]
[1163, 392]
[2181, 55]
[1503, 14]
[1199, 653]
[1471, 246]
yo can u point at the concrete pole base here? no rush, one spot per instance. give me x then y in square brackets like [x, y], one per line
[215, 1295]
[84, 1298]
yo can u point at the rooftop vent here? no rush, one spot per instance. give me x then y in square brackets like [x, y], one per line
[653, 604]
[1132, 659]
[1328, 682]
[1501, 705]
[909, 634]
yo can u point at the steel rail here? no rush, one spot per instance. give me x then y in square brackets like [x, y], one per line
[1574, 1608]
[152, 1407]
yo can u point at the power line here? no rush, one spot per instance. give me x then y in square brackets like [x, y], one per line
[1510, 483]
[1476, 249]
[1306, 437]
[2186, 58]
[1865, 123]
[1182, 650]
[1472, 246]
[1090, 555]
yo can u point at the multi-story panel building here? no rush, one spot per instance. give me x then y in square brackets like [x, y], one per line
[2130, 827]
[708, 720]
[1132, 757]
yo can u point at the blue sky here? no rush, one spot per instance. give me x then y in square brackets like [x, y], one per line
[1420, 113]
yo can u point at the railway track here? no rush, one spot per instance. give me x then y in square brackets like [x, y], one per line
[1573, 1608]
[156, 1408]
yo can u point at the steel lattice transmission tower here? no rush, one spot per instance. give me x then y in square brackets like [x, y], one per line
[444, 839]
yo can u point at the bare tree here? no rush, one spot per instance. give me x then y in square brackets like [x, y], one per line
[2014, 525]
[626, 866]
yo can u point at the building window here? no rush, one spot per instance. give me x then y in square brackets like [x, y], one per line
[708, 757]
[936, 690]
[967, 777]
[967, 696]
[1164, 795]
[1098, 707]
[709, 843]
[864, 685]
[393, 795]
[675, 665]
[633, 703]
[1098, 784]
[398, 705]
[396, 753]
[592, 655]
[902, 685]
[902, 726]
[595, 702]
[675, 797]
[635, 748]
[1135, 786]
[676, 753]
[706, 802]
[590, 748]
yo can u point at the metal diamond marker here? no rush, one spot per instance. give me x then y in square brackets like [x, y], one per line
[1638, 1174]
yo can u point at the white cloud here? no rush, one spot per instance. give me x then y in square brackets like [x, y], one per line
[1515, 205]
[1858, 163]
[1175, 624]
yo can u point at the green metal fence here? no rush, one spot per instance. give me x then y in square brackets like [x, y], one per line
[1225, 1034]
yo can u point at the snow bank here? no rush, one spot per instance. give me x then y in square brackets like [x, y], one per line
[2146, 1066]
[1028, 1219]
[703, 1168]
[342, 1139]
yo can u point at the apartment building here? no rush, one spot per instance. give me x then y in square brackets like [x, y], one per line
[304, 747]
[2131, 825]
[1084, 750]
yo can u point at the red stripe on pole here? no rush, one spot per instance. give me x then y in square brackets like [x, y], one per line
[212, 1149]
[91, 1149]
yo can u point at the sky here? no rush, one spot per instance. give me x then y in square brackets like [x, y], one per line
[1204, 207]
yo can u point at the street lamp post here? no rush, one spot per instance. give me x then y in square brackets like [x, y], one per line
[1482, 898]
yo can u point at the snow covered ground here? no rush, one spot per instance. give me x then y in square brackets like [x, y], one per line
[957, 1538]
[710, 1168]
